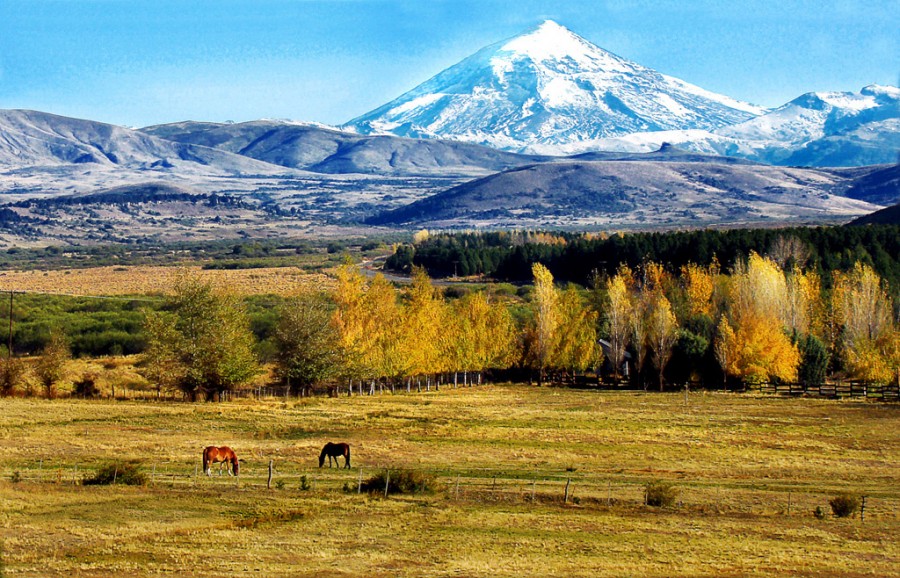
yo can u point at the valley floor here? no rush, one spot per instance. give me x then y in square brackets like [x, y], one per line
[532, 482]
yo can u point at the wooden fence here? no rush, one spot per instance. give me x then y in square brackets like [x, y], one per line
[845, 389]
[475, 485]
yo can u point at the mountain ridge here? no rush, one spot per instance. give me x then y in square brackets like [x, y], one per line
[550, 86]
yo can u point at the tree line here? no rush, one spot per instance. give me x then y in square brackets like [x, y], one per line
[575, 257]
[650, 326]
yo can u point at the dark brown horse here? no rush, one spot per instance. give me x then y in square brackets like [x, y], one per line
[335, 451]
[224, 454]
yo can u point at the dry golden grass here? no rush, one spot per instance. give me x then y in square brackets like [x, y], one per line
[145, 280]
[738, 461]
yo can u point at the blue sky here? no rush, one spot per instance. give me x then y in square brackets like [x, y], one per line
[136, 62]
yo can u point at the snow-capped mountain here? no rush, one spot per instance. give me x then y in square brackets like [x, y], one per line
[815, 129]
[550, 87]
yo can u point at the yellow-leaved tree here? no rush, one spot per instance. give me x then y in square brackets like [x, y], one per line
[753, 339]
[545, 319]
[354, 326]
[423, 326]
[575, 348]
[618, 312]
[662, 332]
[862, 309]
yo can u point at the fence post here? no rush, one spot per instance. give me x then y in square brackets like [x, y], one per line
[387, 482]
[457, 486]
[862, 510]
[153, 475]
[359, 488]
[533, 484]
[566, 497]
[271, 468]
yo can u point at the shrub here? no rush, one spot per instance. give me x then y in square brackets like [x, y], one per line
[401, 482]
[819, 513]
[660, 494]
[304, 483]
[12, 375]
[86, 386]
[128, 473]
[844, 505]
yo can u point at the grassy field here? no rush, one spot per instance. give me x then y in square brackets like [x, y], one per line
[750, 470]
[148, 279]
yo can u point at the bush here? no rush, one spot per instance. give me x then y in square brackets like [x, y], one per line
[844, 505]
[128, 473]
[12, 375]
[660, 494]
[401, 482]
[304, 483]
[86, 386]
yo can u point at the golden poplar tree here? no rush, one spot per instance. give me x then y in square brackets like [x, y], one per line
[662, 331]
[761, 348]
[422, 328]
[863, 311]
[575, 348]
[545, 318]
[354, 327]
[618, 313]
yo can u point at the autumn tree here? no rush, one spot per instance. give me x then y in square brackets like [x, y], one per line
[863, 311]
[480, 334]
[662, 332]
[355, 327]
[423, 328]
[758, 347]
[575, 345]
[618, 312]
[385, 355]
[637, 331]
[545, 318]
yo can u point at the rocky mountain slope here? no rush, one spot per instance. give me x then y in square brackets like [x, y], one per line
[637, 193]
[323, 149]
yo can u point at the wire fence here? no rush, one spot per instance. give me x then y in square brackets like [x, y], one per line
[478, 485]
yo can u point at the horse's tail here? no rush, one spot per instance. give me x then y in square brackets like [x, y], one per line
[347, 455]
[205, 459]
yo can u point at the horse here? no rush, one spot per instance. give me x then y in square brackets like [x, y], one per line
[335, 451]
[224, 454]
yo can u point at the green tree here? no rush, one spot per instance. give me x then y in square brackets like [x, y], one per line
[51, 367]
[206, 337]
[307, 342]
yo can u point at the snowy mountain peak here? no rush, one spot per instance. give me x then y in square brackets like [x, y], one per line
[550, 41]
[549, 86]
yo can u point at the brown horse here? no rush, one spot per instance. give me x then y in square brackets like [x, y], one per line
[224, 454]
[335, 451]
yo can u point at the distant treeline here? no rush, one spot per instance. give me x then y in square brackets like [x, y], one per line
[575, 257]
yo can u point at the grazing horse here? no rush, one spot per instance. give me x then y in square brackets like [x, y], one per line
[335, 451]
[224, 454]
